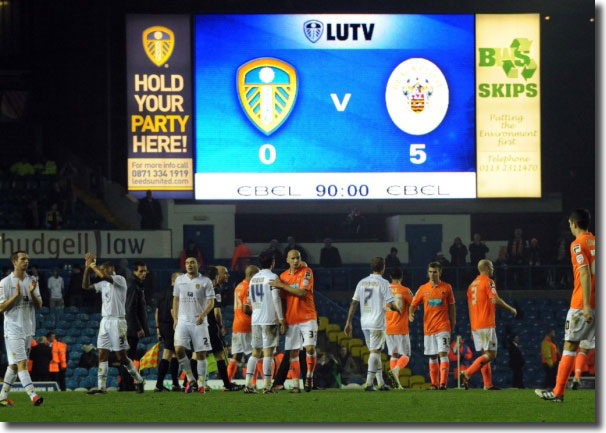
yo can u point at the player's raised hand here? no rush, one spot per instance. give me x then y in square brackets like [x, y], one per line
[33, 285]
[89, 259]
[18, 289]
[514, 312]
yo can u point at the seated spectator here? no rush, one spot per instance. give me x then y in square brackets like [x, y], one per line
[326, 371]
[348, 368]
[458, 253]
[191, 250]
[392, 260]
[89, 357]
[329, 255]
[292, 245]
[41, 356]
[477, 250]
[53, 218]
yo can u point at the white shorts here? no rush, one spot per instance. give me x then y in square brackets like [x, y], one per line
[187, 333]
[241, 343]
[576, 328]
[436, 343]
[301, 334]
[587, 344]
[17, 348]
[485, 339]
[112, 334]
[264, 336]
[398, 343]
[375, 338]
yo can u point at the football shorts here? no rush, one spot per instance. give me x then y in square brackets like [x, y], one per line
[241, 342]
[576, 329]
[112, 334]
[436, 343]
[264, 336]
[398, 343]
[485, 339]
[189, 334]
[587, 344]
[17, 348]
[301, 335]
[375, 338]
[168, 335]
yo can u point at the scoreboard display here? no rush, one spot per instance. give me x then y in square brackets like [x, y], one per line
[313, 106]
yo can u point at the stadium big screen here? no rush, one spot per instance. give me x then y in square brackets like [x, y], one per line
[278, 107]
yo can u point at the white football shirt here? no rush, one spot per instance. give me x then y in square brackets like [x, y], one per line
[193, 296]
[56, 286]
[259, 293]
[113, 296]
[373, 292]
[20, 320]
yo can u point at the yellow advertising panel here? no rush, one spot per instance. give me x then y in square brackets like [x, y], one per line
[508, 105]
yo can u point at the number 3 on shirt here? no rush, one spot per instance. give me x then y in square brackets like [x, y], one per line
[474, 297]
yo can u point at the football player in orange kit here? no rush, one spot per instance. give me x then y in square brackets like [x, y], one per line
[580, 320]
[482, 298]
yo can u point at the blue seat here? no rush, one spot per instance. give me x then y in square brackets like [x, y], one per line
[96, 316]
[69, 372]
[69, 317]
[41, 331]
[75, 347]
[74, 332]
[112, 382]
[93, 324]
[44, 310]
[71, 383]
[80, 372]
[68, 339]
[92, 372]
[61, 332]
[72, 310]
[73, 355]
[83, 317]
[112, 372]
[72, 365]
[84, 339]
[78, 324]
[88, 382]
[89, 331]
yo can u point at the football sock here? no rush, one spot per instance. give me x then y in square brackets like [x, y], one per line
[372, 368]
[434, 371]
[9, 379]
[174, 371]
[566, 366]
[311, 364]
[402, 362]
[223, 372]
[162, 370]
[194, 369]
[487, 375]
[232, 368]
[267, 370]
[479, 362]
[186, 367]
[444, 368]
[379, 373]
[578, 364]
[258, 370]
[130, 367]
[295, 371]
[251, 370]
[202, 371]
[102, 374]
[393, 361]
[26, 382]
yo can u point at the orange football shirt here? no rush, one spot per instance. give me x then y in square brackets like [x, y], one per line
[481, 309]
[435, 306]
[299, 309]
[582, 253]
[242, 321]
[396, 323]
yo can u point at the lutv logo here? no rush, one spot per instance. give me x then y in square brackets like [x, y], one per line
[313, 30]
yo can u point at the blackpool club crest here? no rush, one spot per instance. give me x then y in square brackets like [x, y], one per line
[158, 43]
[267, 90]
[313, 30]
[417, 96]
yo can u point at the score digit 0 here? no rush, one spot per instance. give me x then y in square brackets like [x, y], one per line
[267, 154]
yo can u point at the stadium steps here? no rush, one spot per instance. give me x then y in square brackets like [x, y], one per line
[101, 208]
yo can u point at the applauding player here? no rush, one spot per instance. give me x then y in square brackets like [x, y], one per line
[19, 298]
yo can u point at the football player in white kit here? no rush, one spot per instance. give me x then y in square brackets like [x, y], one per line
[193, 300]
[373, 294]
[19, 298]
[266, 315]
[112, 329]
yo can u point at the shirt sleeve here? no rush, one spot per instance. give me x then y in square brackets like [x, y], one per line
[491, 289]
[451, 299]
[98, 286]
[356, 296]
[387, 293]
[176, 290]
[417, 298]
[209, 292]
[4, 292]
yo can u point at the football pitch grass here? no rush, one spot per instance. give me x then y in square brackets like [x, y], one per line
[334, 405]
